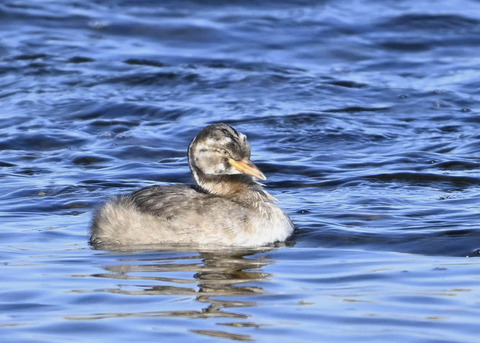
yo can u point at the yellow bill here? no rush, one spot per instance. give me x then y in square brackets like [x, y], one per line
[247, 167]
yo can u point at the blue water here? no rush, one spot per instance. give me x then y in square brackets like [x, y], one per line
[363, 115]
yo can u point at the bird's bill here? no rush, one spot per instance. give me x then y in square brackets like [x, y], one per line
[247, 167]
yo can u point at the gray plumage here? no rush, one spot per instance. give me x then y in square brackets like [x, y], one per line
[226, 207]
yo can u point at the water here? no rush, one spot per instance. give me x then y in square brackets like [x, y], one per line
[364, 116]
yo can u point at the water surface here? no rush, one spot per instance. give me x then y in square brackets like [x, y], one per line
[363, 116]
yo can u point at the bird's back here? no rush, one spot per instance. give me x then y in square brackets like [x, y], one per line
[182, 215]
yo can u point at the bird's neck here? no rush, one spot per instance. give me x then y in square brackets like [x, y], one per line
[239, 188]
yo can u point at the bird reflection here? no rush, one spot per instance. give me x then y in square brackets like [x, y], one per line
[212, 277]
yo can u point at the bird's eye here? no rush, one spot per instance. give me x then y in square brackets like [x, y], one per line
[225, 152]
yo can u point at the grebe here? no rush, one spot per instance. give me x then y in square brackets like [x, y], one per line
[226, 207]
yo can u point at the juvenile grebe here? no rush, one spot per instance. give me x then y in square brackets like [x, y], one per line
[226, 207]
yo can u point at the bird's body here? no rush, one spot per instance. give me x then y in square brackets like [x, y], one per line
[227, 207]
